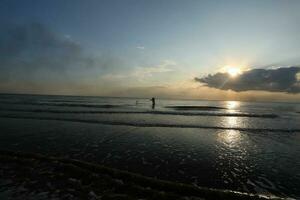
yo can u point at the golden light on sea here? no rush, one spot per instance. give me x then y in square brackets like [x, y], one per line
[231, 105]
[230, 137]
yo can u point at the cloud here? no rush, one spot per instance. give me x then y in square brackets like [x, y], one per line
[165, 66]
[33, 57]
[26, 50]
[142, 73]
[284, 79]
[140, 47]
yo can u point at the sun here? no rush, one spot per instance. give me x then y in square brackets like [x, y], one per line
[233, 71]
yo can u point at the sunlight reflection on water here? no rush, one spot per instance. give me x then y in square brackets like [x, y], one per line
[232, 104]
[230, 138]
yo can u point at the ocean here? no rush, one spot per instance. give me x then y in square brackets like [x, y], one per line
[243, 146]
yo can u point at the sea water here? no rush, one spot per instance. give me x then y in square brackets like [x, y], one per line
[243, 146]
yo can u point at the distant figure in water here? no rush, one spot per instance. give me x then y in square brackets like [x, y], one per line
[136, 102]
[153, 102]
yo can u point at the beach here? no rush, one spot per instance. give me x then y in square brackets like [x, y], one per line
[223, 145]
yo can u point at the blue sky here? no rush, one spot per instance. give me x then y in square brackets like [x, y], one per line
[155, 44]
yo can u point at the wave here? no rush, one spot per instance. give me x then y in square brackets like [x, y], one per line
[66, 104]
[66, 101]
[159, 125]
[195, 107]
[145, 112]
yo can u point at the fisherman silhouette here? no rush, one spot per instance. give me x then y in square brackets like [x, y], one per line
[153, 102]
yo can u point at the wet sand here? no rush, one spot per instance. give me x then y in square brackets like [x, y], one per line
[26, 175]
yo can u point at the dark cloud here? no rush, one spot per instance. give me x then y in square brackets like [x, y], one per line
[33, 58]
[32, 52]
[273, 80]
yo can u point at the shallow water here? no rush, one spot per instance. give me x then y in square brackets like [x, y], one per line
[250, 147]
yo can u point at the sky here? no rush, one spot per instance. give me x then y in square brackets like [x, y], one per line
[162, 48]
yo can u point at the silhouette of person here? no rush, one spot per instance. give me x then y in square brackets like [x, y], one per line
[153, 102]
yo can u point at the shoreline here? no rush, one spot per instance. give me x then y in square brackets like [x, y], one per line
[99, 181]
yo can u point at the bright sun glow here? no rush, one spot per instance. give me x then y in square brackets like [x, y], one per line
[233, 71]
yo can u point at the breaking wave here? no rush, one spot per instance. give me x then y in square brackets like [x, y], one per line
[161, 125]
[144, 112]
[65, 104]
